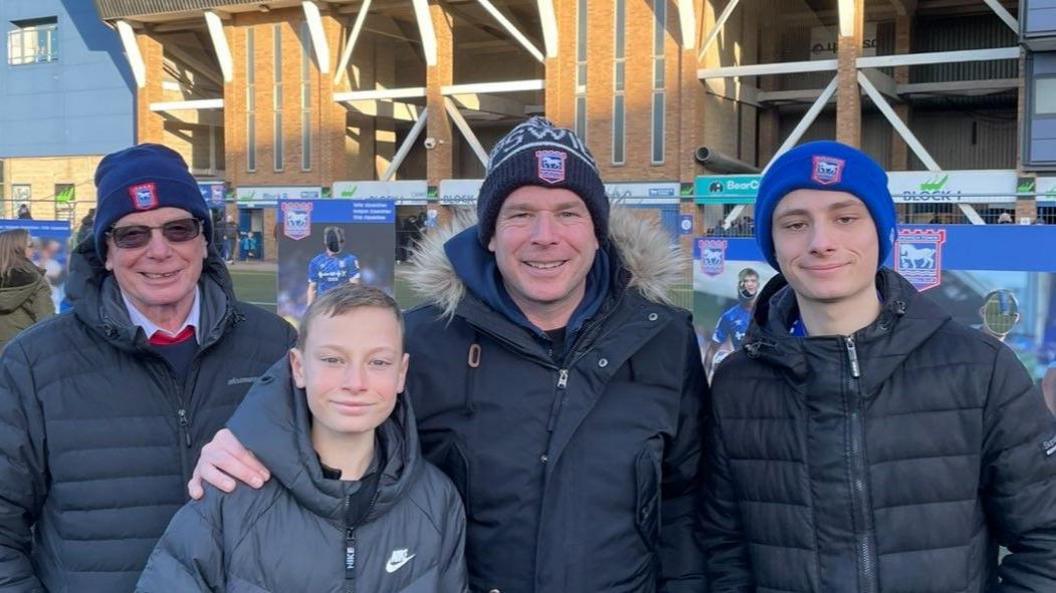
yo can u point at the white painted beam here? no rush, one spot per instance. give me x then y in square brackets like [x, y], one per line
[939, 57]
[734, 90]
[1003, 14]
[804, 124]
[549, 22]
[900, 126]
[185, 105]
[513, 31]
[353, 37]
[223, 51]
[135, 57]
[495, 104]
[960, 87]
[391, 109]
[467, 132]
[795, 96]
[687, 20]
[426, 30]
[883, 83]
[719, 23]
[402, 93]
[408, 142]
[509, 86]
[207, 71]
[768, 69]
[315, 29]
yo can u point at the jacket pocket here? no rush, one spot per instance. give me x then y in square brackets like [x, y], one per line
[647, 480]
[448, 455]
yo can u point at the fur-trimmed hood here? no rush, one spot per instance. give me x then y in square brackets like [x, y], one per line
[644, 252]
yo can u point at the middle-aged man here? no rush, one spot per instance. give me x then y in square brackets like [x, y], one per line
[103, 411]
[861, 440]
[553, 384]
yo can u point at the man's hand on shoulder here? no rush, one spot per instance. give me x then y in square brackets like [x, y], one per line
[225, 462]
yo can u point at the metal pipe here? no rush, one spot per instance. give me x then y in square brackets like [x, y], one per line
[721, 163]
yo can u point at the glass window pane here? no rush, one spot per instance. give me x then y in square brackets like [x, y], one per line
[581, 117]
[658, 127]
[617, 130]
[581, 74]
[251, 50]
[621, 28]
[658, 73]
[620, 75]
[278, 53]
[306, 140]
[1045, 96]
[251, 142]
[280, 157]
[660, 10]
[581, 31]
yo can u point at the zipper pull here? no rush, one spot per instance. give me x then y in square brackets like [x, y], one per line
[184, 426]
[852, 355]
[562, 379]
[350, 557]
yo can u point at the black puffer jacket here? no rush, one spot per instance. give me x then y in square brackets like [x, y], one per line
[895, 460]
[98, 438]
[577, 478]
[293, 534]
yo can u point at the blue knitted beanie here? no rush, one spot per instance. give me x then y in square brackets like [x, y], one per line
[140, 178]
[827, 166]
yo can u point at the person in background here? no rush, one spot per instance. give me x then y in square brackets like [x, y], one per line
[84, 232]
[25, 295]
[24, 213]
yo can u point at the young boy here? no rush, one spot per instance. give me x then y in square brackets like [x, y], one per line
[352, 506]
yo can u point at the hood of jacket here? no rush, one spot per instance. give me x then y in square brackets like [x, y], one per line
[639, 255]
[12, 297]
[275, 423]
[907, 318]
[97, 302]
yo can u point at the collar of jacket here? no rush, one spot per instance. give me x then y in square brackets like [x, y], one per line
[274, 422]
[640, 253]
[97, 302]
[906, 320]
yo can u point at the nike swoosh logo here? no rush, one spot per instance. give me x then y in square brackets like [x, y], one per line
[393, 565]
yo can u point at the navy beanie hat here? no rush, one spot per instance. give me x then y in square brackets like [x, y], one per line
[826, 166]
[144, 177]
[538, 153]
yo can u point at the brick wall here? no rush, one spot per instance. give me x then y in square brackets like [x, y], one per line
[42, 174]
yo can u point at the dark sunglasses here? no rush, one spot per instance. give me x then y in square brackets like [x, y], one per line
[138, 235]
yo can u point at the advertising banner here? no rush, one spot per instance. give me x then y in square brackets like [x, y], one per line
[50, 241]
[1046, 189]
[260, 197]
[459, 192]
[726, 189]
[403, 193]
[324, 243]
[998, 279]
[643, 194]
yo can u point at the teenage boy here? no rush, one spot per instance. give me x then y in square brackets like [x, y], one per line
[862, 440]
[352, 505]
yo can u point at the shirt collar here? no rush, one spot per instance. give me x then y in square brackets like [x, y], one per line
[150, 328]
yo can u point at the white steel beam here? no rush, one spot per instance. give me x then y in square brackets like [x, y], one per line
[346, 55]
[426, 30]
[1004, 15]
[687, 20]
[960, 87]
[939, 57]
[408, 142]
[392, 109]
[467, 132]
[506, 24]
[883, 83]
[315, 29]
[549, 22]
[768, 69]
[734, 90]
[182, 105]
[135, 57]
[498, 105]
[404, 93]
[900, 126]
[207, 71]
[509, 86]
[804, 124]
[223, 52]
[719, 23]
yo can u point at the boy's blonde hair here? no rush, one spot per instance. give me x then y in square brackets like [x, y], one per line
[344, 298]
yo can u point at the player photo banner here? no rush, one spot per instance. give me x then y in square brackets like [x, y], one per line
[50, 240]
[999, 279]
[327, 242]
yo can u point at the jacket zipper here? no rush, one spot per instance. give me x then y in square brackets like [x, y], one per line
[350, 541]
[866, 549]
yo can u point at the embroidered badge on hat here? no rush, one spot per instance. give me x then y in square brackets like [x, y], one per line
[144, 196]
[827, 170]
[551, 165]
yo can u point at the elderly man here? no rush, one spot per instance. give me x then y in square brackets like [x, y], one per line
[553, 384]
[103, 411]
[862, 440]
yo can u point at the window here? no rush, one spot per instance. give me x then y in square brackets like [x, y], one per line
[251, 102]
[280, 152]
[1045, 96]
[64, 201]
[619, 138]
[33, 42]
[306, 97]
[581, 69]
[659, 114]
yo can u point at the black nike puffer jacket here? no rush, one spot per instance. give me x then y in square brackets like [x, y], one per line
[98, 437]
[896, 460]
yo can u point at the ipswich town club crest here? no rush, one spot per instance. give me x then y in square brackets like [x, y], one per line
[144, 196]
[297, 219]
[918, 256]
[712, 256]
[550, 165]
[827, 170]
